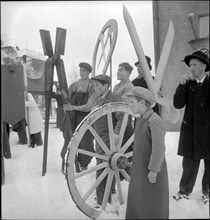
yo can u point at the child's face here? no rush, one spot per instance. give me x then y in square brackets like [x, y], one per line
[99, 88]
[135, 106]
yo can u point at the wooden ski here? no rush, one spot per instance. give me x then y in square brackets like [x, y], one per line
[166, 103]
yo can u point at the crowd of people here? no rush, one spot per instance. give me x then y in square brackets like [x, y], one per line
[148, 186]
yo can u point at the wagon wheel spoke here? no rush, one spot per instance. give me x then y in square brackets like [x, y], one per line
[89, 153]
[107, 189]
[125, 174]
[100, 141]
[129, 154]
[92, 169]
[94, 186]
[119, 188]
[122, 130]
[127, 144]
[111, 132]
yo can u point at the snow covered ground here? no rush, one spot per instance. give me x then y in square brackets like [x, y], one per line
[27, 194]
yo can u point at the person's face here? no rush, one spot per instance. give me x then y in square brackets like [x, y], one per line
[122, 74]
[84, 73]
[197, 67]
[140, 70]
[136, 106]
[99, 88]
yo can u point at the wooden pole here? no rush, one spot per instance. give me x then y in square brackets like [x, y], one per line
[26, 97]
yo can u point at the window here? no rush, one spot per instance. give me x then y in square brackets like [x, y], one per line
[204, 25]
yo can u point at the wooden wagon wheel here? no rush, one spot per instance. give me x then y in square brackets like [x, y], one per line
[110, 31]
[114, 161]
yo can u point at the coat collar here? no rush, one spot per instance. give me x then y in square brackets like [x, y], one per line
[147, 114]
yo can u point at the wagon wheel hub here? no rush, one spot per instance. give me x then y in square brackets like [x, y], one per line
[118, 161]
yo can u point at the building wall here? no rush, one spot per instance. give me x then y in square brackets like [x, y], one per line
[177, 11]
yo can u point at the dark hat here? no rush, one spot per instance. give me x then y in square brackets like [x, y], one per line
[102, 78]
[143, 93]
[148, 61]
[86, 66]
[127, 67]
[200, 56]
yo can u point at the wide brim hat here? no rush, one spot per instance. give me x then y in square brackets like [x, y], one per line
[85, 65]
[148, 61]
[200, 56]
[102, 78]
[143, 93]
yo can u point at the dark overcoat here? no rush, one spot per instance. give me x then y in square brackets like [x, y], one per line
[194, 133]
[148, 200]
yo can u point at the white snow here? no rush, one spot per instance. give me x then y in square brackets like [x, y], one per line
[27, 194]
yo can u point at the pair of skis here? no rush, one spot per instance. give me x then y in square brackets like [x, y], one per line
[154, 85]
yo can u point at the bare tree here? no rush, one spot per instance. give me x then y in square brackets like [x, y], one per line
[73, 75]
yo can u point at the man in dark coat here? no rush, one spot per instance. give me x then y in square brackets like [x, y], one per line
[102, 84]
[193, 94]
[79, 95]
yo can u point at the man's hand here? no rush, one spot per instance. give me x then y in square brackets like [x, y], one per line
[152, 176]
[67, 107]
[185, 78]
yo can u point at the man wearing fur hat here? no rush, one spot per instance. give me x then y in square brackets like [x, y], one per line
[193, 94]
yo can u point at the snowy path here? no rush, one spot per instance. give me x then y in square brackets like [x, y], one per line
[28, 195]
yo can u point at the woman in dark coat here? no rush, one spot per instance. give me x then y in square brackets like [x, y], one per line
[193, 94]
[148, 193]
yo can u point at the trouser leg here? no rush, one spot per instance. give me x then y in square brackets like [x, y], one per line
[38, 139]
[100, 190]
[21, 130]
[5, 142]
[32, 139]
[205, 179]
[189, 175]
[86, 144]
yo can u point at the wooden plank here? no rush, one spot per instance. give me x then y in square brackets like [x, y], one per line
[46, 42]
[61, 75]
[60, 41]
